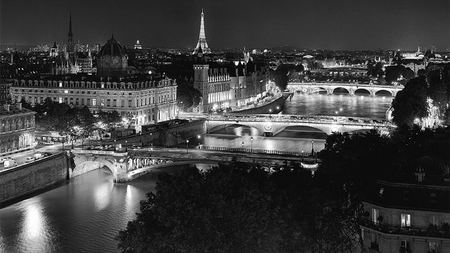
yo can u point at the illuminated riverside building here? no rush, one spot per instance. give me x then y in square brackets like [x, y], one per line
[16, 128]
[228, 86]
[143, 98]
[407, 218]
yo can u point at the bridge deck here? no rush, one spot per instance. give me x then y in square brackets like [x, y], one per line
[355, 121]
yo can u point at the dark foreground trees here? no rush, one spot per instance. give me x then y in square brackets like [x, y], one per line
[236, 208]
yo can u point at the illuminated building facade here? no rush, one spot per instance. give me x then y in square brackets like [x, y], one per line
[144, 99]
[16, 128]
[230, 86]
[407, 218]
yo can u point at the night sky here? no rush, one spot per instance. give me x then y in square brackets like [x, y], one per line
[313, 24]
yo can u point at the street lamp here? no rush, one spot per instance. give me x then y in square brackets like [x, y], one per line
[312, 147]
[242, 145]
[187, 146]
[251, 144]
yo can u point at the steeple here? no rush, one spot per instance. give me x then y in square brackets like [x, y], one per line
[202, 38]
[70, 44]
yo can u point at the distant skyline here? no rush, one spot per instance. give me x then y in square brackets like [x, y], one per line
[311, 24]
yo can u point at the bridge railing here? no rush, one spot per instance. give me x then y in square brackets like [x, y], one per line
[300, 118]
[334, 83]
[257, 151]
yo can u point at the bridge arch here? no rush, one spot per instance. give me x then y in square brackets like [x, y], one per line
[362, 92]
[340, 90]
[383, 93]
[301, 131]
[85, 164]
[321, 90]
[236, 129]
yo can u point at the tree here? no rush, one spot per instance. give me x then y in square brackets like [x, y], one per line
[239, 208]
[411, 102]
[225, 210]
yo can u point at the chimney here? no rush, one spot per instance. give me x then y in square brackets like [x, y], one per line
[19, 106]
[7, 107]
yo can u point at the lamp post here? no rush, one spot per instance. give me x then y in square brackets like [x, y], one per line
[242, 145]
[251, 144]
[187, 146]
[312, 147]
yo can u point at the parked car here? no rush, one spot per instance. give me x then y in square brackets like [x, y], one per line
[29, 159]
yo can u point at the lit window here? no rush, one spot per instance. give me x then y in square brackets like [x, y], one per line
[433, 247]
[405, 220]
[94, 102]
[60, 84]
[375, 215]
[66, 91]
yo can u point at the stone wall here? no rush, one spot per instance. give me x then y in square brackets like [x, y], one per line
[26, 179]
[273, 107]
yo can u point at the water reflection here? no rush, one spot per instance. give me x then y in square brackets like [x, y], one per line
[102, 195]
[356, 106]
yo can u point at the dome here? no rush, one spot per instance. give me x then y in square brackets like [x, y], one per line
[112, 48]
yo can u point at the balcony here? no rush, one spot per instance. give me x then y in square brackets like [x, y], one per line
[432, 231]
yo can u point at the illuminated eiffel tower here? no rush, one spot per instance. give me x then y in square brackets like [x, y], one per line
[202, 45]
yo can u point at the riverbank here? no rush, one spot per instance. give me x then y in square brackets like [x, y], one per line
[32, 178]
[273, 107]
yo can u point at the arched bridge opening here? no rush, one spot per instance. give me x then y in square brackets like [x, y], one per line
[362, 92]
[340, 91]
[300, 131]
[383, 93]
[235, 129]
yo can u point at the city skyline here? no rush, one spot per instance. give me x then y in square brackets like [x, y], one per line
[174, 24]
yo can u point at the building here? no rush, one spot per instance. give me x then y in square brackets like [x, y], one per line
[71, 61]
[142, 99]
[4, 91]
[407, 217]
[112, 59]
[16, 128]
[230, 85]
[202, 45]
[138, 45]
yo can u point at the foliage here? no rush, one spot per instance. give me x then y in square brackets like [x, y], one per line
[237, 208]
[109, 117]
[394, 72]
[410, 103]
[281, 74]
[62, 118]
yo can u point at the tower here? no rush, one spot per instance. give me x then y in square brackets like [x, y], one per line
[70, 44]
[202, 38]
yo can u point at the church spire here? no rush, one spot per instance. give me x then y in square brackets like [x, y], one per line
[70, 43]
[202, 37]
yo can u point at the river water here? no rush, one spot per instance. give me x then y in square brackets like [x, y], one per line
[86, 214]
[301, 139]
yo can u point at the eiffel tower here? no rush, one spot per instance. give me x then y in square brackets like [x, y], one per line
[202, 45]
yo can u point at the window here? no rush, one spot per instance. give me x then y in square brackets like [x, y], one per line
[433, 247]
[434, 221]
[405, 220]
[404, 246]
[94, 102]
[66, 91]
[375, 215]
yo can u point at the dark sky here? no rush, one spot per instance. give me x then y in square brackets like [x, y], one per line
[314, 24]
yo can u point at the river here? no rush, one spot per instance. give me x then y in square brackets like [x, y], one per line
[86, 214]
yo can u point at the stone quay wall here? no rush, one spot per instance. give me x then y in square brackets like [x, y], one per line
[27, 179]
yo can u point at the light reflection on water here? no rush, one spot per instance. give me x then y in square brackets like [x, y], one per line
[301, 138]
[85, 215]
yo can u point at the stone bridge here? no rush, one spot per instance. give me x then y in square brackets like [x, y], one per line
[123, 166]
[126, 166]
[350, 88]
[273, 124]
